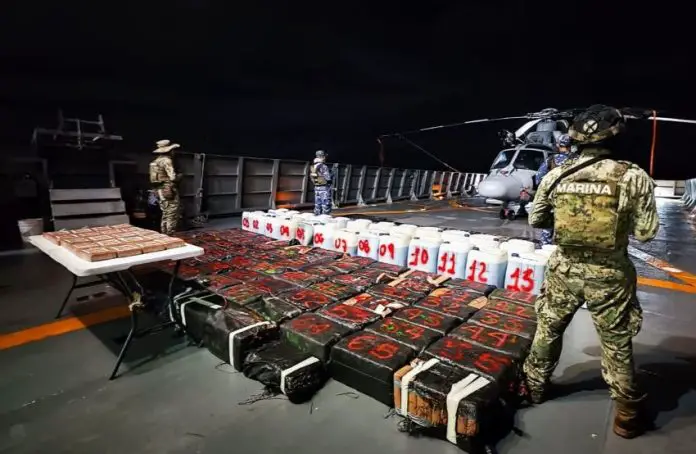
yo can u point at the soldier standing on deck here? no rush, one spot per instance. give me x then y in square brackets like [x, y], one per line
[164, 181]
[321, 177]
[549, 164]
[594, 203]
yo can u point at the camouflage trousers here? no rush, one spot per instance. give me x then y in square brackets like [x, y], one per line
[322, 200]
[170, 214]
[610, 295]
[546, 236]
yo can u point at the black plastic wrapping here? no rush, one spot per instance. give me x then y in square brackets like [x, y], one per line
[374, 273]
[518, 310]
[381, 306]
[321, 270]
[388, 267]
[367, 361]
[394, 293]
[416, 337]
[472, 286]
[513, 296]
[353, 317]
[423, 317]
[509, 344]
[266, 365]
[219, 282]
[306, 299]
[419, 286]
[345, 266]
[359, 283]
[274, 286]
[245, 263]
[214, 267]
[453, 305]
[505, 323]
[243, 293]
[219, 325]
[244, 275]
[313, 334]
[196, 309]
[269, 268]
[274, 309]
[337, 292]
[299, 278]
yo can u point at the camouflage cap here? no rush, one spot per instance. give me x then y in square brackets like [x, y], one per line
[597, 123]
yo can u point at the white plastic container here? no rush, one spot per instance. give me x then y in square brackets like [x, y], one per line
[346, 241]
[324, 236]
[358, 225]
[517, 247]
[394, 249]
[342, 222]
[307, 216]
[305, 232]
[452, 257]
[287, 227]
[547, 249]
[272, 227]
[384, 227]
[246, 220]
[423, 252]
[454, 235]
[368, 244]
[525, 272]
[487, 266]
[483, 240]
[404, 229]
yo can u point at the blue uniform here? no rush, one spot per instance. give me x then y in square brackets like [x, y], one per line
[546, 236]
[322, 192]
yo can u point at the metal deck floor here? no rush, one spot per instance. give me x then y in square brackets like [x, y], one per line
[54, 396]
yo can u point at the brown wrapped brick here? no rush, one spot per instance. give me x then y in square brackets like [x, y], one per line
[172, 243]
[109, 243]
[122, 226]
[96, 254]
[126, 250]
[152, 246]
[52, 237]
[73, 240]
[133, 239]
[97, 238]
[79, 246]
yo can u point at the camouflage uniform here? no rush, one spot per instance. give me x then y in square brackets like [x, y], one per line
[321, 177]
[546, 236]
[164, 178]
[587, 268]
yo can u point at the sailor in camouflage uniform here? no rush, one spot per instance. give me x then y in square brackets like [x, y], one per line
[321, 177]
[594, 203]
[546, 236]
[164, 181]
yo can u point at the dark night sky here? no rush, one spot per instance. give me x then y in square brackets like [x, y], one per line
[280, 80]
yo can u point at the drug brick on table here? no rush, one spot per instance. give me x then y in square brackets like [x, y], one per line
[313, 334]
[510, 344]
[394, 293]
[407, 333]
[512, 296]
[306, 299]
[337, 292]
[367, 361]
[353, 317]
[505, 323]
[423, 317]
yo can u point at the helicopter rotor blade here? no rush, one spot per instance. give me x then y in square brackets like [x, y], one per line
[667, 119]
[452, 125]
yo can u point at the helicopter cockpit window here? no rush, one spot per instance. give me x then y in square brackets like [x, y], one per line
[503, 159]
[529, 159]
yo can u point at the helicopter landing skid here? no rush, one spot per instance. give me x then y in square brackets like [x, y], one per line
[512, 211]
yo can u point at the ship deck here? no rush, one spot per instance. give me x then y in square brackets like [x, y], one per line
[56, 396]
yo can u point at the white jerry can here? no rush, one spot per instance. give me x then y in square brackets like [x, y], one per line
[287, 228]
[307, 216]
[305, 232]
[404, 229]
[277, 211]
[423, 252]
[324, 236]
[255, 219]
[525, 272]
[517, 247]
[342, 222]
[264, 219]
[358, 225]
[547, 249]
[346, 241]
[484, 238]
[325, 218]
[452, 257]
[246, 220]
[272, 227]
[487, 266]
[384, 227]
[368, 244]
[454, 235]
[393, 249]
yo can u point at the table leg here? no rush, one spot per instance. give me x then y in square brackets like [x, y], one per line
[170, 301]
[126, 344]
[67, 297]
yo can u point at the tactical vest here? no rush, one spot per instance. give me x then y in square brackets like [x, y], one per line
[317, 179]
[157, 173]
[586, 208]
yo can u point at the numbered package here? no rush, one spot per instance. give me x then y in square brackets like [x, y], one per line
[218, 282]
[244, 275]
[306, 299]
[299, 278]
[274, 309]
[273, 286]
[518, 310]
[505, 323]
[426, 318]
[193, 310]
[380, 306]
[512, 345]
[231, 334]
[376, 275]
[322, 270]
[353, 317]
[471, 286]
[313, 334]
[458, 304]
[243, 293]
[367, 362]
[416, 337]
[513, 296]
[345, 266]
[359, 283]
[396, 294]
[337, 292]
[388, 267]
[269, 268]
[454, 404]
[213, 268]
[418, 286]
[284, 369]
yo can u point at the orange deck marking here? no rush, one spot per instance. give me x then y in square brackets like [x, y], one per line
[666, 285]
[63, 326]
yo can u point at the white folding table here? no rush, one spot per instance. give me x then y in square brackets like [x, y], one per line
[117, 273]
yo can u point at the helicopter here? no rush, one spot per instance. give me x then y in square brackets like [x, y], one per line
[510, 181]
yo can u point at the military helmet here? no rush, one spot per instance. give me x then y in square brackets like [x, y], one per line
[597, 123]
[165, 146]
[320, 154]
[564, 140]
